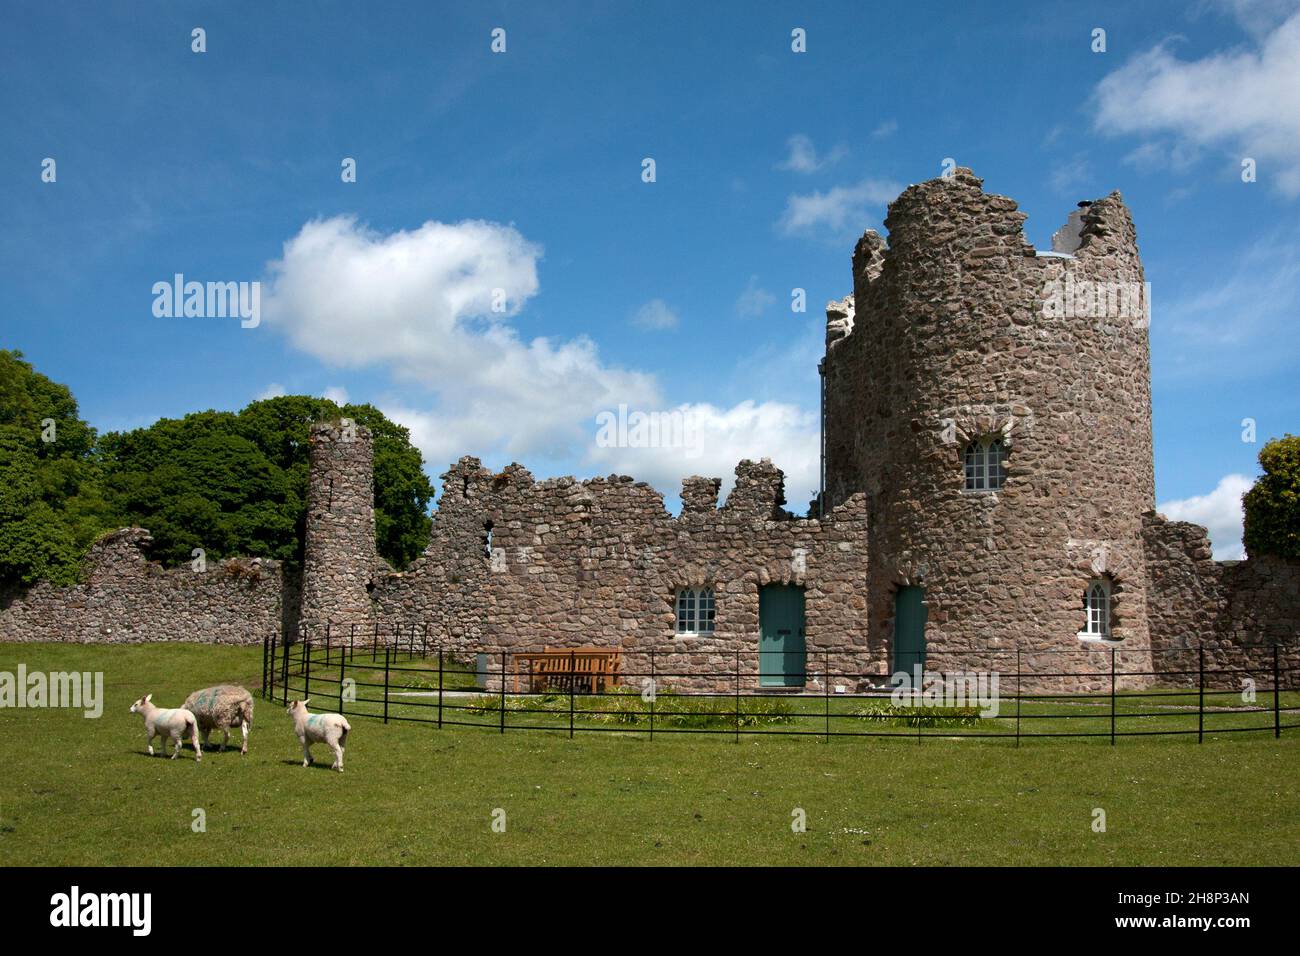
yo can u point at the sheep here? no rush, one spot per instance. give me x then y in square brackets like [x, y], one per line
[331, 729]
[222, 707]
[174, 722]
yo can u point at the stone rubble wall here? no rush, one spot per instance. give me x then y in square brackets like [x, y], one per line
[126, 598]
[1234, 610]
[600, 562]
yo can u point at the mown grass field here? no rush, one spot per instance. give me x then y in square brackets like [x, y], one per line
[79, 791]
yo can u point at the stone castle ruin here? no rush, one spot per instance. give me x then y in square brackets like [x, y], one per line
[988, 503]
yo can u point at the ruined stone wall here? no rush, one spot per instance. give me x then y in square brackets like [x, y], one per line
[126, 598]
[951, 340]
[518, 564]
[1235, 610]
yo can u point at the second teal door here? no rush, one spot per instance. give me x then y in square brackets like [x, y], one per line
[781, 636]
[909, 628]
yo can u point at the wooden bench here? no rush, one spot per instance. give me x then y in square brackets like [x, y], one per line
[564, 668]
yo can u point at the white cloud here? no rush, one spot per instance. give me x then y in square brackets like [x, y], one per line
[418, 303]
[887, 128]
[803, 158]
[274, 390]
[655, 316]
[336, 394]
[836, 210]
[1244, 101]
[754, 301]
[1220, 512]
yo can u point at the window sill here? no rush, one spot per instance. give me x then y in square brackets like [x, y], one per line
[693, 633]
[1087, 638]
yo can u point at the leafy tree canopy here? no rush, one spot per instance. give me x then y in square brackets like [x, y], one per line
[231, 483]
[1273, 503]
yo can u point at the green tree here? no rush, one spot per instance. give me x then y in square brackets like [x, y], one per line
[236, 483]
[1273, 503]
[51, 508]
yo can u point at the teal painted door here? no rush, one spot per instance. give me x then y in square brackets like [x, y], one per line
[781, 637]
[909, 628]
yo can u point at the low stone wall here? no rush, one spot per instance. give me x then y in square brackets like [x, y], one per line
[1235, 611]
[128, 599]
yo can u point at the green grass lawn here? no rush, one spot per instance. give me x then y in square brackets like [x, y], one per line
[79, 791]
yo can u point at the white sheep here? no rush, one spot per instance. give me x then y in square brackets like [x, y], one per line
[222, 707]
[330, 729]
[164, 722]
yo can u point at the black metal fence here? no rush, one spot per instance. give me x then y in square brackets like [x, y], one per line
[403, 676]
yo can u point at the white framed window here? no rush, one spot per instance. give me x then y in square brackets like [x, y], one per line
[1096, 610]
[985, 460]
[695, 611]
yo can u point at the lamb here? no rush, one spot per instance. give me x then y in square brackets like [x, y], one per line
[222, 707]
[331, 729]
[174, 722]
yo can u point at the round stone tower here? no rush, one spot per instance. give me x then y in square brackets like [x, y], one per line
[340, 559]
[994, 403]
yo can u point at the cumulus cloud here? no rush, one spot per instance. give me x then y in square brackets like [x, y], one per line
[802, 155]
[1242, 100]
[419, 303]
[336, 394]
[655, 316]
[433, 305]
[1220, 512]
[274, 390]
[837, 209]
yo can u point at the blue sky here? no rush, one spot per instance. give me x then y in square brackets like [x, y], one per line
[522, 171]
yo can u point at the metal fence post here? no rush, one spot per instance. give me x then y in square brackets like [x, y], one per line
[826, 681]
[269, 680]
[1018, 695]
[654, 692]
[306, 669]
[284, 674]
[352, 642]
[1112, 697]
[503, 692]
[1277, 710]
[266, 637]
[343, 663]
[573, 683]
[1200, 709]
[440, 687]
[374, 646]
[387, 651]
[737, 716]
[424, 641]
[327, 643]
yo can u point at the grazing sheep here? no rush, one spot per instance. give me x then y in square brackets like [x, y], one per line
[221, 708]
[164, 722]
[330, 729]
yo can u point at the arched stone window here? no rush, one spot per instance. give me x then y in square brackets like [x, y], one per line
[985, 460]
[1096, 610]
[695, 611]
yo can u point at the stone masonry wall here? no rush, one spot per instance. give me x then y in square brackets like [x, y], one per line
[953, 339]
[128, 599]
[1234, 610]
[518, 564]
